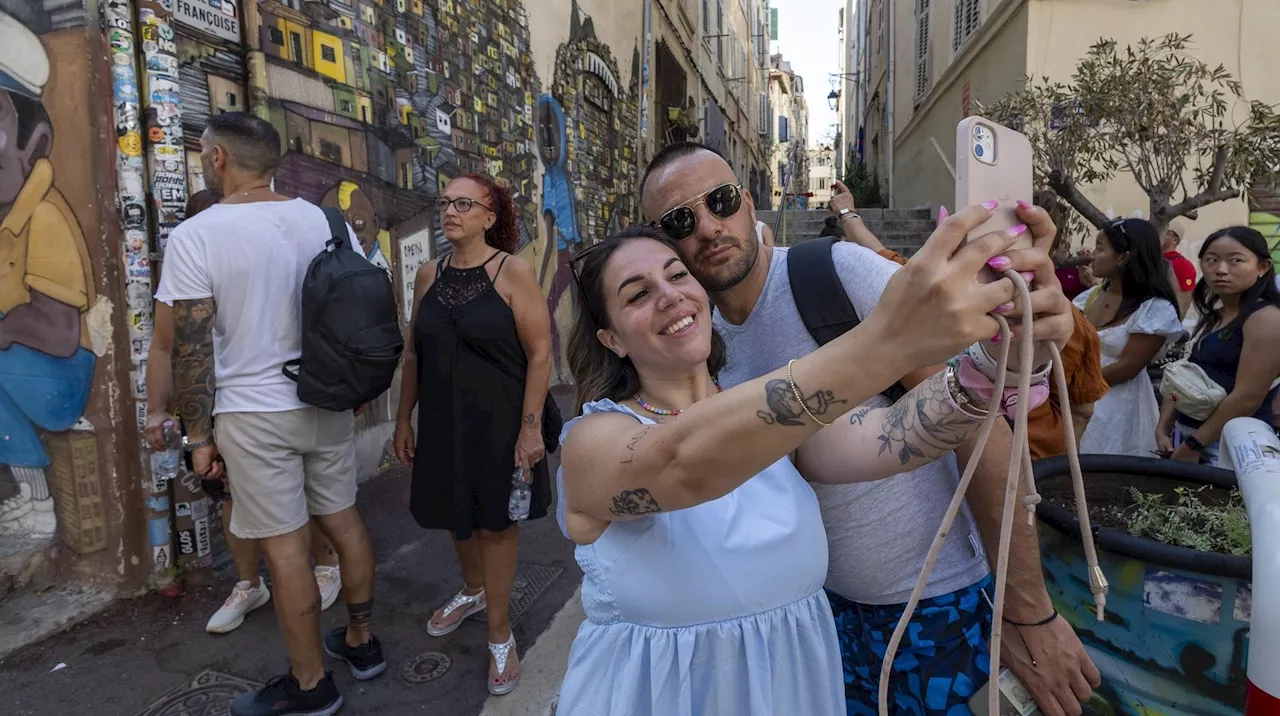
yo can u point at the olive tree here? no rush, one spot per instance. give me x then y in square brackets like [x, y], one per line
[1182, 129]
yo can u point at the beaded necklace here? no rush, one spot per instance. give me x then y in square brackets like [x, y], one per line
[665, 411]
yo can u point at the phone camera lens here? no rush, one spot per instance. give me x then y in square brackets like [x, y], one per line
[977, 150]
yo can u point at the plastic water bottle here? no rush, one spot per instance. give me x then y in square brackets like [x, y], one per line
[164, 463]
[521, 497]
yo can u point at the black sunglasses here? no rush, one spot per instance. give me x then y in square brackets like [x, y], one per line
[723, 202]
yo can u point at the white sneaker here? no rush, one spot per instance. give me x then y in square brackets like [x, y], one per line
[243, 600]
[329, 580]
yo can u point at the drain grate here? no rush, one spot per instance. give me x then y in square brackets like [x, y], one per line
[531, 581]
[207, 695]
[426, 667]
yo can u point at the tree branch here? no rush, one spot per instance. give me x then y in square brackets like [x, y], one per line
[1066, 189]
[1204, 198]
[1219, 170]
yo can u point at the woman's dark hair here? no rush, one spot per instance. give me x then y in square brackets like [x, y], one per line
[829, 228]
[503, 234]
[1262, 293]
[1145, 274]
[201, 200]
[597, 371]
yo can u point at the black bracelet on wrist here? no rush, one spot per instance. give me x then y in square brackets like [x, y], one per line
[1042, 622]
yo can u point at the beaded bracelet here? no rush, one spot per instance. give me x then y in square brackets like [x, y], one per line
[800, 398]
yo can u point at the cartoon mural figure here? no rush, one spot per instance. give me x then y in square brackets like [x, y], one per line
[357, 208]
[45, 288]
[557, 208]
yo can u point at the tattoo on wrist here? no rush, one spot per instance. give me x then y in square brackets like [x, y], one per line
[530, 419]
[784, 409]
[631, 446]
[923, 424]
[634, 502]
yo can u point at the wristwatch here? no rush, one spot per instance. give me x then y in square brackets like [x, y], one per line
[847, 214]
[1192, 442]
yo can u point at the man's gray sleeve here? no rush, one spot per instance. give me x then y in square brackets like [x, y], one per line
[864, 274]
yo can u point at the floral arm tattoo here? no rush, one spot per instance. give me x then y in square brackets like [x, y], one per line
[923, 424]
[193, 364]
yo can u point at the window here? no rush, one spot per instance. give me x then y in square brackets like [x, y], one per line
[327, 54]
[276, 37]
[922, 49]
[295, 41]
[968, 16]
[346, 106]
[783, 135]
[231, 99]
[364, 114]
[720, 31]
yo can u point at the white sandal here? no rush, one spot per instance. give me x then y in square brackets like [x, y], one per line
[501, 653]
[470, 603]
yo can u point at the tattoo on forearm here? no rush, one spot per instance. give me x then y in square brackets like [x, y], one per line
[634, 502]
[529, 419]
[359, 615]
[631, 446]
[923, 424]
[858, 416]
[193, 382]
[784, 409]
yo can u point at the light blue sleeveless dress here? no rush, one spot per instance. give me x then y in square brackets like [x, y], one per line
[713, 610]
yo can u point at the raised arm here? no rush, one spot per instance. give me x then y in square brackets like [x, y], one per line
[615, 469]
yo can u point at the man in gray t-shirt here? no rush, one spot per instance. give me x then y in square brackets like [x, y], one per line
[879, 533]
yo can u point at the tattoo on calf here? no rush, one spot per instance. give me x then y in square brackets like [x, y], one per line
[784, 409]
[634, 502]
[923, 424]
[360, 615]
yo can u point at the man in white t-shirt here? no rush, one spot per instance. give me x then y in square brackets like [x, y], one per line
[233, 275]
[878, 533]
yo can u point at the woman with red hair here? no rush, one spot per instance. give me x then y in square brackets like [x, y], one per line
[477, 365]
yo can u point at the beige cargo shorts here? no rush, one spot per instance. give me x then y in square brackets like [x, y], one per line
[284, 467]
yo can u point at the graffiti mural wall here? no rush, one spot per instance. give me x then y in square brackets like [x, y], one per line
[55, 328]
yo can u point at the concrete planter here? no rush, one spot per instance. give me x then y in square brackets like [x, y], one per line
[1177, 621]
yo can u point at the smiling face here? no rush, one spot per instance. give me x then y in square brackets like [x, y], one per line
[721, 250]
[659, 316]
[1230, 268]
[458, 225]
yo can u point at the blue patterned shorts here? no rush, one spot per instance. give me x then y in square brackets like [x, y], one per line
[942, 661]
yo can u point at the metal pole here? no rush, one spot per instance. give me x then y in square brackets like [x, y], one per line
[643, 138]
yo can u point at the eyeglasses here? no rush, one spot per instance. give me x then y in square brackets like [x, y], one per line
[462, 204]
[723, 202]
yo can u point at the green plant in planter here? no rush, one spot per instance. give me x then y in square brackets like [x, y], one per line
[1189, 522]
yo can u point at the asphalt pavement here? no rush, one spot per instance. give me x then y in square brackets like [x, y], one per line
[151, 656]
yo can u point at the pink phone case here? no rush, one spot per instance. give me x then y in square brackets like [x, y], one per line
[993, 162]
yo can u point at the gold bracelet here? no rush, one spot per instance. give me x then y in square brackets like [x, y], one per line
[796, 392]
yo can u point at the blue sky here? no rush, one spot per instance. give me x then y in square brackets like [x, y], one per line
[808, 38]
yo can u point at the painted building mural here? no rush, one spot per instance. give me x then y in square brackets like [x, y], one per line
[54, 326]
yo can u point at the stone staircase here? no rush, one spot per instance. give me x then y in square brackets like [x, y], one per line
[903, 230]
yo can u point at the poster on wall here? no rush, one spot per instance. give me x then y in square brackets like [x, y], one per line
[219, 18]
[415, 250]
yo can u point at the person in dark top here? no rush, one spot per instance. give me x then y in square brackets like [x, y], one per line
[1237, 341]
[477, 366]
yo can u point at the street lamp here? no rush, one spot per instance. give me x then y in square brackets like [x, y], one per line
[833, 99]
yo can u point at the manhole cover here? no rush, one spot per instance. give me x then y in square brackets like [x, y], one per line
[531, 581]
[426, 667]
[207, 695]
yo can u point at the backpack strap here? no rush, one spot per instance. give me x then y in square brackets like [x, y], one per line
[338, 236]
[820, 297]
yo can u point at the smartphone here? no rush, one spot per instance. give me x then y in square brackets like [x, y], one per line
[993, 162]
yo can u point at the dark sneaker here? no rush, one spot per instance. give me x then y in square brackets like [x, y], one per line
[365, 660]
[283, 696]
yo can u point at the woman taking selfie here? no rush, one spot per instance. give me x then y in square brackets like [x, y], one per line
[477, 366]
[1236, 343]
[1136, 314]
[703, 548]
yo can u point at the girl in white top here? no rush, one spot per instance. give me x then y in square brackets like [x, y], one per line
[1135, 311]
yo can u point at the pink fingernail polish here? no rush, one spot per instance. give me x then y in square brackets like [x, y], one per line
[942, 214]
[1028, 276]
[999, 263]
[996, 338]
[1004, 307]
[1024, 204]
[1016, 231]
[991, 205]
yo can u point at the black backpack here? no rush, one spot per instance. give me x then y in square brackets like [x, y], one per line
[351, 341]
[824, 306]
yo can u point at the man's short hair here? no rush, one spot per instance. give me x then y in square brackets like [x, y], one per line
[252, 143]
[671, 153]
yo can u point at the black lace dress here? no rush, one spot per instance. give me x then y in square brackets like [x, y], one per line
[469, 406]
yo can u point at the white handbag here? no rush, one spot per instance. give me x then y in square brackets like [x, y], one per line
[1192, 391]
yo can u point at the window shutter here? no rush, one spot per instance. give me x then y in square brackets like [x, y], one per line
[922, 48]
